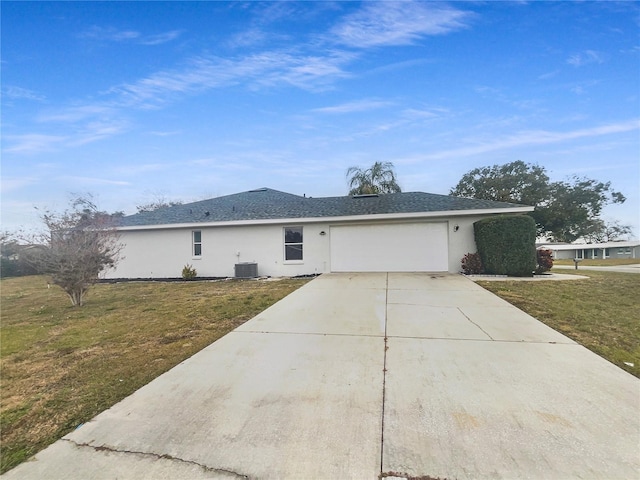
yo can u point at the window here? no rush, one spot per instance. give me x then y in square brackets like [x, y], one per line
[197, 243]
[579, 254]
[293, 243]
[607, 253]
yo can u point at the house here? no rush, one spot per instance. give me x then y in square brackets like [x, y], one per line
[271, 233]
[594, 250]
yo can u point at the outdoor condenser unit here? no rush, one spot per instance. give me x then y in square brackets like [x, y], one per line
[246, 270]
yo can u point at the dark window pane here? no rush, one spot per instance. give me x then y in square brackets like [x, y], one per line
[293, 235]
[197, 236]
[197, 249]
[293, 252]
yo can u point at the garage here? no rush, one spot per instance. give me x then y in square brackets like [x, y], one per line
[402, 247]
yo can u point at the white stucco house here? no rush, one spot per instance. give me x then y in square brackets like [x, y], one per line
[271, 233]
[581, 251]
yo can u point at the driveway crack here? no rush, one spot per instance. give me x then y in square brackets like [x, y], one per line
[158, 456]
[483, 331]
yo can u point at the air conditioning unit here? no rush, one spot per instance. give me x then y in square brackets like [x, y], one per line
[246, 270]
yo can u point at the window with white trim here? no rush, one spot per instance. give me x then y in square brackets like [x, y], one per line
[293, 244]
[197, 243]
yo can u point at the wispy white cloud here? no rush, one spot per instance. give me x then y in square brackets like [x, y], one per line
[106, 117]
[15, 93]
[398, 23]
[97, 130]
[548, 75]
[165, 134]
[356, 106]
[10, 184]
[585, 58]
[248, 38]
[111, 34]
[76, 113]
[33, 143]
[84, 181]
[421, 114]
[535, 137]
[160, 38]
[133, 169]
[307, 72]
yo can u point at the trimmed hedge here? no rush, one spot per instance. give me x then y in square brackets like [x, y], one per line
[507, 245]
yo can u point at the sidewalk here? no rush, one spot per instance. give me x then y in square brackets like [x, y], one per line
[616, 268]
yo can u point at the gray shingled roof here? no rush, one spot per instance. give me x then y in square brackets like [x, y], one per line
[265, 203]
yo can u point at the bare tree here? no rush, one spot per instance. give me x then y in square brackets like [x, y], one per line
[80, 243]
[600, 231]
[159, 201]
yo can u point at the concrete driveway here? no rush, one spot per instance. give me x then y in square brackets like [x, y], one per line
[360, 375]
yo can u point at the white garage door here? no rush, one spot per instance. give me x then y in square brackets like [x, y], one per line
[405, 247]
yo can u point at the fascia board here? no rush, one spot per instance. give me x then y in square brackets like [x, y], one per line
[338, 219]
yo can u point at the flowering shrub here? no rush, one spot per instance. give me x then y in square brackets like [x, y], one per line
[471, 264]
[545, 261]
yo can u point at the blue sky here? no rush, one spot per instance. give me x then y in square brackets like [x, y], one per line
[132, 101]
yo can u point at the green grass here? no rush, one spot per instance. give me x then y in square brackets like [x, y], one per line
[601, 312]
[62, 365]
[599, 262]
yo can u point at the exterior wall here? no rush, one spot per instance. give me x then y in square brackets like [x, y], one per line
[461, 240]
[163, 252]
[622, 252]
[564, 254]
[598, 253]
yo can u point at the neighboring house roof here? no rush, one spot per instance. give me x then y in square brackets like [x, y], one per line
[587, 246]
[268, 204]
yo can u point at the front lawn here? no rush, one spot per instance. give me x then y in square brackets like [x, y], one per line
[601, 312]
[62, 365]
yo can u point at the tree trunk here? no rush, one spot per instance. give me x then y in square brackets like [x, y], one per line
[76, 296]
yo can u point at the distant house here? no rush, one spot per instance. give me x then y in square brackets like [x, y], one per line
[594, 250]
[271, 233]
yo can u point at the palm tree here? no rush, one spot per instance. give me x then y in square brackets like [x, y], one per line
[380, 178]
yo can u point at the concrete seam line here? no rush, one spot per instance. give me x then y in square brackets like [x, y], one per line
[384, 372]
[319, 334]
[157, 456]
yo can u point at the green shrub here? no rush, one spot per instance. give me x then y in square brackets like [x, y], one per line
[189, 273]
[544, 260]
[471, 264]
[507, 245]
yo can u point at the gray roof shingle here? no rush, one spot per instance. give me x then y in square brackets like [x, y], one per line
[265, 203]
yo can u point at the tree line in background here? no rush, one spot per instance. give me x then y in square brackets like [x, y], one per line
[564, 211]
